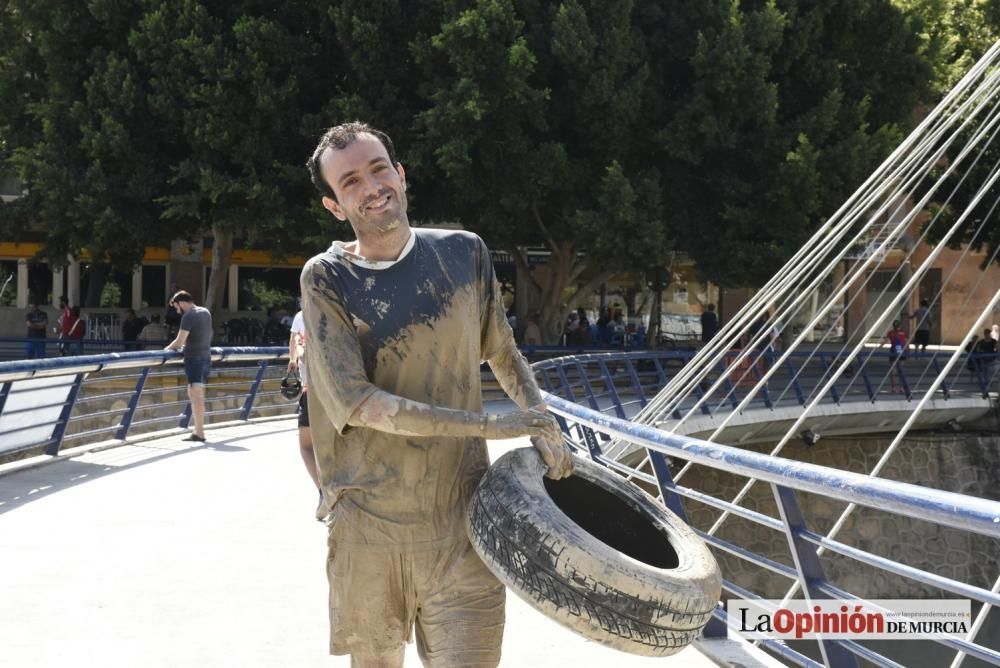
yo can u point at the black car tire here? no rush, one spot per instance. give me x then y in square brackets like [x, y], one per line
[594, 553]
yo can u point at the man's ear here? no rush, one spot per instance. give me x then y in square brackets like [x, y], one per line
[334, 208]
[402, 174]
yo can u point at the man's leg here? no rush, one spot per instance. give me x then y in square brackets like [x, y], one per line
[461, 616]
[393, 659]
[372, 606]
[196, 393]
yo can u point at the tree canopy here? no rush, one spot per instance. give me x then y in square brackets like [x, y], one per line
[611, 133]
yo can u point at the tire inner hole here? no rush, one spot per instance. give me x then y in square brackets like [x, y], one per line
[611, 520]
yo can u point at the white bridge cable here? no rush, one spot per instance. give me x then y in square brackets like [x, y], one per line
[722, 347]
[904, 292]
[763, 335]
[899, 270]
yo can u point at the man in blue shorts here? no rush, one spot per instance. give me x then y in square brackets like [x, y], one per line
[195, 338]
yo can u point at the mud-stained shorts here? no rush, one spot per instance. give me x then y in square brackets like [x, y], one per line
[455, 602]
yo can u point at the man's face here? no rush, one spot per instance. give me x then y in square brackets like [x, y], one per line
[371, 193]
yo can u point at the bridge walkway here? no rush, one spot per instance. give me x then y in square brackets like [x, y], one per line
[164, 553]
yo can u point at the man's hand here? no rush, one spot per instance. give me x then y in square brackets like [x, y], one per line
[545, 436]
[293, 366]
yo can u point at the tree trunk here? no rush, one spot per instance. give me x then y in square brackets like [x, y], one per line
[222, 255]
[564, 269]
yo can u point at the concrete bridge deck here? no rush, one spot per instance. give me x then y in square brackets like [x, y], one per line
[167, 553]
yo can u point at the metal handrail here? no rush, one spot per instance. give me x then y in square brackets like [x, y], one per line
[590, 416]
[92, 407]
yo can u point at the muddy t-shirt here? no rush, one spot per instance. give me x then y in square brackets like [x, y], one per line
[418, 329]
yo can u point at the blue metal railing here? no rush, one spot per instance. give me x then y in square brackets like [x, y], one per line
[873, 377]
[46, 404]
[590, 395]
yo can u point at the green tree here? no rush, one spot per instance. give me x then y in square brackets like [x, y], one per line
[77, 131]
[615, 133]
[791, 105]
[537, 131]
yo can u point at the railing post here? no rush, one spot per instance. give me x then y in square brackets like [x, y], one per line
[902, 379]
[563, 424]
[612, 390]
[715, 628]
[252, 395]
[827, 372]
[937, 372]
[4, 393]
[636, 382]
[133, 403]
[809, 568]
[60, 429]
[868, 382]
[794, 375]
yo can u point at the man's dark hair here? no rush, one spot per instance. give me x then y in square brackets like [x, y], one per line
[182, 296]
[154, 318]
[63, 300]
[340, 137]
[924, 303]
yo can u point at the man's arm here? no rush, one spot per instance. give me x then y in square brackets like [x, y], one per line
[394, 414]
[338, 380]
[178, 343]
[516, 378]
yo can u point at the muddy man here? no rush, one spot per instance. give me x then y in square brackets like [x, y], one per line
[399, 321]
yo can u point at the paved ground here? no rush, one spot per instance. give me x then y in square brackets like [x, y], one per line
[164, 555]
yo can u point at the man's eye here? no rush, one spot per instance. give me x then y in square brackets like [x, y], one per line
[350, 182]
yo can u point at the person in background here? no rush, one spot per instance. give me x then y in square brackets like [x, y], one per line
[709, 323]
[984, 359]
[583, 328]
[132, 325]
[37, 322]
[154, 334]
[897, 351]
[65, 317]
[923, 322]
[76, 329]
[532, 332]
[296, 350]
[194, 336]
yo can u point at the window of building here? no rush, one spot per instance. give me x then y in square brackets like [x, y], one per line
[154, 286]
[39, 283]
[115, 287]
[264, 288]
